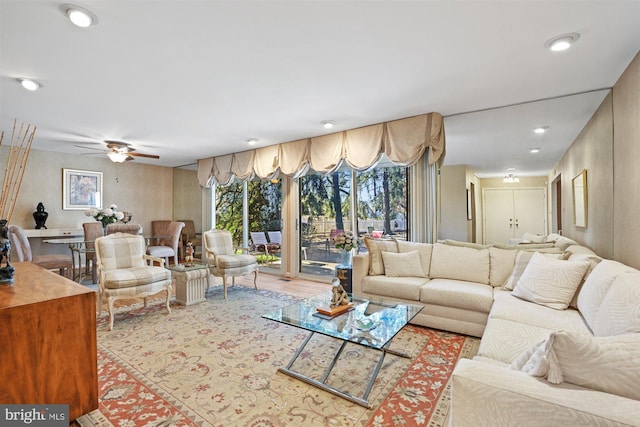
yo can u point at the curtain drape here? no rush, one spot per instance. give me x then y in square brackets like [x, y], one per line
[403, 141]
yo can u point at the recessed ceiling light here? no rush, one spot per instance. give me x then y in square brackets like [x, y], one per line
[252, 141]
[79, 16]
[562, 42]
[328, 124]
[29, 84]
[540, 130]
[510, 169]
[534, 150]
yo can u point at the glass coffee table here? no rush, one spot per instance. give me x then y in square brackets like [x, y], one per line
[370, 323]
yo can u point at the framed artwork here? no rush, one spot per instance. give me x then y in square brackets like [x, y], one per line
[81, 189]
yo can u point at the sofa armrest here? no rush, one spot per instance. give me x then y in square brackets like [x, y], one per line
[484, 394]
[360, 270]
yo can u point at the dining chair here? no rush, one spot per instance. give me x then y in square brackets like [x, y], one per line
[168, 243]
[124, 271]
[189, 234]
[92, 230]
[22, 250]
[124, 228]
[223, 260]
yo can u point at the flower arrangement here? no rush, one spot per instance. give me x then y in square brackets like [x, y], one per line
[346, 241]
[106, 216]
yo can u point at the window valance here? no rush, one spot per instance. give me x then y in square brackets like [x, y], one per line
[403, 141]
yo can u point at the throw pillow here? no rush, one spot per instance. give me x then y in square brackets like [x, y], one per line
[401, 264]
[564, 242]
[532, 238]
[550, 282]
[424, 251]
[459, 263]
[606, 364]
[501, 265]
[522, 259]
[593, 261]
[375, 248]
[619, 312]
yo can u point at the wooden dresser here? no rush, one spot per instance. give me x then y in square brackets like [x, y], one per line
[48, 350]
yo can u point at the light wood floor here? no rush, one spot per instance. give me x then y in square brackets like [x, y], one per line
[296, 287]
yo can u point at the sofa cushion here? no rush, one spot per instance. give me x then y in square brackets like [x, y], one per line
[375, 248]
[424, 250]
[500, 265]
[532, 238]
[451, 242]
[596, 286]
[458, 294]
[550, 282]
[405, 264]
[504, 339]
[619, 312]
[578, 249]
[593, 260]
[607, 364]
[407, 288]
[506, 306]
[563, 243]
[459, 263]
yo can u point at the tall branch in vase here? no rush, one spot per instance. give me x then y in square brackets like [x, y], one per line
[15, 167]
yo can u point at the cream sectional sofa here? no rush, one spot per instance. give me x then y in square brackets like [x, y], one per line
[577, 363]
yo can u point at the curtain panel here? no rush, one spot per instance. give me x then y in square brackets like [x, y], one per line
[403, 141]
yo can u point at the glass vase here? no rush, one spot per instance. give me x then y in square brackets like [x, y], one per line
[346, 258]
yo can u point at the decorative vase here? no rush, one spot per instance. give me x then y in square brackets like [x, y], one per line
[346, 258]
[40, 216]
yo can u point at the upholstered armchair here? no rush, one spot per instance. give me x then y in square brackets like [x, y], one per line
[21, 249]
[124, 228]
[168, 244]
[223, 261]
[124, 271]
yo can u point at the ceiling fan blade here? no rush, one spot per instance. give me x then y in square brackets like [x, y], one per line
[89, 148]
[149, 156]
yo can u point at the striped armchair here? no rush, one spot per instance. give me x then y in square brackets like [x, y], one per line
[223, 260]
[124, 271]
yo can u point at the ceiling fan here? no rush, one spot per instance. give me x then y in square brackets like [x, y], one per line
[119, 152]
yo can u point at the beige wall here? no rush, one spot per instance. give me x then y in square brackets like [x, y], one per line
[453, 203]
[187, 197]
[609, 149]
[145, 190]
[626, 157]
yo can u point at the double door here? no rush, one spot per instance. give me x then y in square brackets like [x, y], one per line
[509, 213]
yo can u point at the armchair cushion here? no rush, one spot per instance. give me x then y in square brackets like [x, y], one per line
[234, 261]
[135, 276]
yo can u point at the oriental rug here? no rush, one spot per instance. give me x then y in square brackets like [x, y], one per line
[215, 364]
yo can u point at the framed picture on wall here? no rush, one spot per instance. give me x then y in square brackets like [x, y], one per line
[81, 189]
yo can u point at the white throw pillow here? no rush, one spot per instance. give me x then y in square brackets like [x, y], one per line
[532, 238]
[606, 364]
[522, 259]
[424, 251]
[619, 312]
[550, 282]
[402, 264]
[375, 248]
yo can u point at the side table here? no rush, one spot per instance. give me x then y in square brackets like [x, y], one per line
[191, 282]
[344, 273]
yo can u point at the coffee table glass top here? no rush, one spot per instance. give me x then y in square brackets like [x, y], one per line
[370, 323]
[194, 266]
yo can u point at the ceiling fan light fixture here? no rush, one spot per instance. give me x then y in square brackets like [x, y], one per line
[117, 157]
[562, 42]
[29, 84]
[79, 16]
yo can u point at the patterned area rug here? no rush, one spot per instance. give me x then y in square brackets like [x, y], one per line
[215, 364]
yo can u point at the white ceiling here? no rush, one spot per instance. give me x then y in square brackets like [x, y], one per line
[193, 79]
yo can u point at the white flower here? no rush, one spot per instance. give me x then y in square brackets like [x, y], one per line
[108, 212]
[119, 216]
[113, 206]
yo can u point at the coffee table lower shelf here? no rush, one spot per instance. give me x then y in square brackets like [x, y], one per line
[321, 384]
